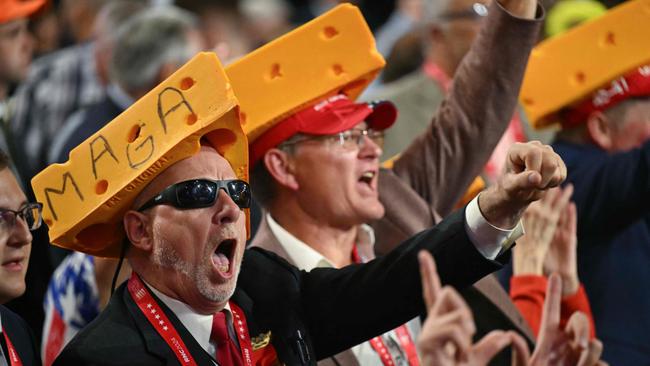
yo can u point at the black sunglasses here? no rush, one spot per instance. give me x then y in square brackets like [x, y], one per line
[199, 193]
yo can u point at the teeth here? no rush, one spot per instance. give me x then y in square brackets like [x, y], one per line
[368, 175]
[221, 261]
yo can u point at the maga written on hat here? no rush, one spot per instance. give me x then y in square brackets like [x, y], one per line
[86, 197]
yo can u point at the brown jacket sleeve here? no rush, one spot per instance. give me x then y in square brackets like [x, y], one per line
[441, 162]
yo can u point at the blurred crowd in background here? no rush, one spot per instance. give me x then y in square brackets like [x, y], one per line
[76, 64]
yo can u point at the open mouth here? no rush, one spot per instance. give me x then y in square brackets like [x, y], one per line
[223, 257]
[367, 177]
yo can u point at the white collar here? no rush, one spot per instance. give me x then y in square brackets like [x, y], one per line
[304, 256]
[199, 325]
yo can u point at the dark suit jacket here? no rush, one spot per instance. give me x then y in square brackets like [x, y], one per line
[312, 315]
[612, 196]
[21, 337]
[266, 240]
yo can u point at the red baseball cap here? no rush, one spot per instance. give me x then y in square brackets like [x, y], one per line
[333, 115]
[16, 9]
[633, 84]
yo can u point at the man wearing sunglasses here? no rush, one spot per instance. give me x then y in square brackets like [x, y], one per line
[187, 232]
[17, 218]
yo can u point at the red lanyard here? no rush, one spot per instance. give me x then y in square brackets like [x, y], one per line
[407, 344]
[164, 327]
[13, 355]
[158, 319]
[435, 72]
[241, 328]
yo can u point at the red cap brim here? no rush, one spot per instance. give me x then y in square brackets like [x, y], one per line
[334, 115]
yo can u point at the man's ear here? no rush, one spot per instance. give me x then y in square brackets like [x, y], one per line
[280, 165]
[600, 130]
[136, 225]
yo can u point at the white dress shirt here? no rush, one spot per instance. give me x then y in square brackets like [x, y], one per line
[305, 257]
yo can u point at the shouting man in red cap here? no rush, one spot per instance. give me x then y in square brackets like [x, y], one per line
[317, 175]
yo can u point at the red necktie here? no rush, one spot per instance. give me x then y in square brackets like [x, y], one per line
[227, 351]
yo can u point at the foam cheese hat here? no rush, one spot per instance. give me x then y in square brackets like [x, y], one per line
[333, 54]
[568, 68]
[86, 197]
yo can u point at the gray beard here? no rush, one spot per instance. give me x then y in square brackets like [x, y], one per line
[165, 256]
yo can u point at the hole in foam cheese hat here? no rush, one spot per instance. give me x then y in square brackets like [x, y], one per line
[86, 197]
[569, 67]
[333, 54]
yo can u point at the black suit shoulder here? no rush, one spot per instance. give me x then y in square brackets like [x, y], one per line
[329, 308]
[21, 337]
[112, 338]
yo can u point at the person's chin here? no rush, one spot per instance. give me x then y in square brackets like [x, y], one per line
[373, 211]
[11, 292]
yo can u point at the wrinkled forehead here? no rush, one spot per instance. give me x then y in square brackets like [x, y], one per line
[207, 163]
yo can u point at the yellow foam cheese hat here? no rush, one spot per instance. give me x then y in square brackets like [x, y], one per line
[565, 69]
[334, 53]
[86, 197]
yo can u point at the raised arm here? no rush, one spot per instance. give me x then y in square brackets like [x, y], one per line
[441, 162]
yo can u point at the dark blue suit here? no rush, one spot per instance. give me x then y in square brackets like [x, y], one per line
[612, 194]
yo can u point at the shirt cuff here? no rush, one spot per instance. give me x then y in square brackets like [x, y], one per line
[488, 239]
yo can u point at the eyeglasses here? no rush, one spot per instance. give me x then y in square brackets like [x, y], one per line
[349, 139]
[31, 214]
[200, 193]
[478, 10]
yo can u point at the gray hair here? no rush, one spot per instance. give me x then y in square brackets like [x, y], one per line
[115, 13]
[263, 185]
[148, 41]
